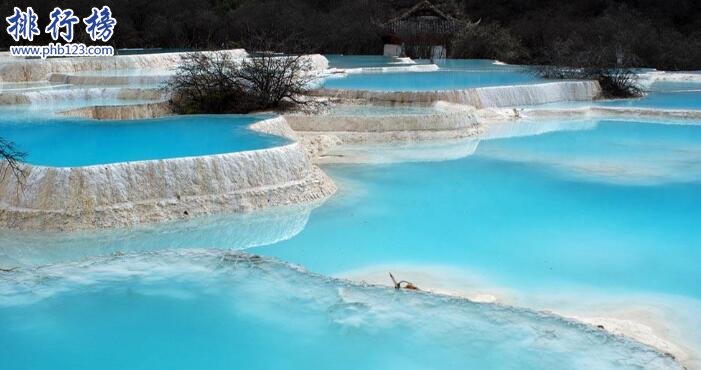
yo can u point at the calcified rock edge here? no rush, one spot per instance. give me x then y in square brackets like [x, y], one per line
[636, 322]
[125, 194]
[24, 70]
[481, 97]
[122, 112]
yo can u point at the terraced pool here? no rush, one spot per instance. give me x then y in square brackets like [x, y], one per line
[58, 142]
[593, 219]
[452, 75]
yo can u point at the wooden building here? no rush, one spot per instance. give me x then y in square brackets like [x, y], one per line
[422, 31]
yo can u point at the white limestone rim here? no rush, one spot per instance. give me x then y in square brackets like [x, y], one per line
[156, 109]
[481, 97]
[393, 69]
[339, 139]
[68, 79]
[664, 76]
[58, 95]
[402, 60]
[166, 69]
[122, 194]
[631, 113]
[438, 121]
[336, 73]
[252, 174]
[21, 70]
[315, 188]
[318, 63]
[27, 70]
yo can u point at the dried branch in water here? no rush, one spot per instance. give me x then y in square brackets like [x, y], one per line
[11, 161]
[406, 284]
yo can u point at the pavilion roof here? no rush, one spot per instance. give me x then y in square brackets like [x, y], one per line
[426, 10]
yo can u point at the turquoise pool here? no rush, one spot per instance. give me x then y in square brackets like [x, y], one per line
[454, 74]
[660, 95]
[667, 95]
[208, 309]
[360, 61]
[66, 142]
[605, 207]
[602, 206]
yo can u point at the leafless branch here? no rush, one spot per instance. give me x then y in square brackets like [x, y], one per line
[215, 83]
[11, 162]
[615, 82]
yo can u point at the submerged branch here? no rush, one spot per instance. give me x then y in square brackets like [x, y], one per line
[12, 162]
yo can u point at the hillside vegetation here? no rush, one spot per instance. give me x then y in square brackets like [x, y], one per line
[649, 33]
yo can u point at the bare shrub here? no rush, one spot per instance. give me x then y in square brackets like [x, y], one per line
[616, 82]
[275, 81]
[620, 83]
[202, 84]
[215, 83]
[610, 65]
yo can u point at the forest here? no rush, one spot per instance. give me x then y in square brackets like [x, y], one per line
[663, 34]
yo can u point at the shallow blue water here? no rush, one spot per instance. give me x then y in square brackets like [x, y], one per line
[600, 204]
[660, 95]
[427, 81]
[615, 207]
[477, 65]
[369, 61]
[70, 142]
[358, 61]
[665, 95]
[211, 310]
[678, 99]
[453, 74]
[608, 205]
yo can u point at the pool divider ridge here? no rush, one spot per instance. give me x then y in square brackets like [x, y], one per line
[131, 193]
